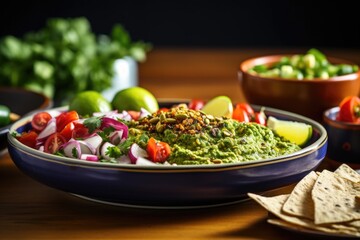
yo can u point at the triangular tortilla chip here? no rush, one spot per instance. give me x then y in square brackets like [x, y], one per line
[347, 172]
[300, 202]
[334, 199]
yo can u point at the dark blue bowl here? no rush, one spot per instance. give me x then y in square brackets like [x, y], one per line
[21, 102]
[170, 186]
[344, 139]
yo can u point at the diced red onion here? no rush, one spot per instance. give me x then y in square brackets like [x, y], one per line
[94, 141]
[89, 157]
[69, 147]
[144, 162]
[48, 130]
[104, 148]
[86, 148]
[116, 137]
[109, 122]
[144, 113]
[126, 116]
[136, 152]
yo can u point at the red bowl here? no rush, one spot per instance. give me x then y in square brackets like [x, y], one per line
[306, 97]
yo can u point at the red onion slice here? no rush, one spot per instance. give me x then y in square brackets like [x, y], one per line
[48, 130]
[136, 152]
[72, 149]
[94, 141]
[104, 148]
[144, 162]
[89, 157]
[109, 122]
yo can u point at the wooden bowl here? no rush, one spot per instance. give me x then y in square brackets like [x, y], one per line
[306, 97]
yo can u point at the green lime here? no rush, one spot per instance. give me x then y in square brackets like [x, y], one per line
[88, 102]
[135, 98]
[296, 132]
[220, 106]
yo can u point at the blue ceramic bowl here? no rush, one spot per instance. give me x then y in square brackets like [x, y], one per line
[169, 186]
[344, 139]
[21, 102]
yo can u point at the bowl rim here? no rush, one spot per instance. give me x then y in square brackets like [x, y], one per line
[336, 123]
[243, 69]
[170, 168]
[46, 103]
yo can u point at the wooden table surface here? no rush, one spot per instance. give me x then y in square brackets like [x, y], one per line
[31, 210]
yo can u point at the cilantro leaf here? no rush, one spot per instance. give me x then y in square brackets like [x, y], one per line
[113, 152]
[92, 123]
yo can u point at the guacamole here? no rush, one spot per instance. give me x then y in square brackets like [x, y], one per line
[197, 138]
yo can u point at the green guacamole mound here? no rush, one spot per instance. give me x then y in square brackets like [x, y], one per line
[196, 138]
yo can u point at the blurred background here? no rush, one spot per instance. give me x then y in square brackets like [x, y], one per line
[199, 42]
[225, 23]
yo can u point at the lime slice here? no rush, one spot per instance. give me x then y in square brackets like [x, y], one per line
[135, 98]
[296, 132]
[88, 102]
[220, 106]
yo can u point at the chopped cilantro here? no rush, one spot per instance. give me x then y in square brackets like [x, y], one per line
[92, 123]
[113, 152]
[74, 153]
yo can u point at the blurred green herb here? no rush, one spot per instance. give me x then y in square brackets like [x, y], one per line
[66, 57]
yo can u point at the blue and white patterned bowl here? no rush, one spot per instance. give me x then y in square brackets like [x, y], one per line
[169, 186]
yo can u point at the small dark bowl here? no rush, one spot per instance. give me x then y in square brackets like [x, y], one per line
[21, 102]
[344, 140]
[306, 97]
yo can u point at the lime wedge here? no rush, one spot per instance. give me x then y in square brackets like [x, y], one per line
[220, 106]
[296, 132]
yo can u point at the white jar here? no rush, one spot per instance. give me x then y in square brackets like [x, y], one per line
[125, 76]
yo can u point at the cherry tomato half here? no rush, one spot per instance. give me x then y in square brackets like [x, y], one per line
[158, 151]
[196, 104]
[64, 118]
[80, 131]
[40, 120]
[240, 114]
[248, 109]
[135, 115]
[350, 109]
[28, 138]
[53, 142]
[67, 131]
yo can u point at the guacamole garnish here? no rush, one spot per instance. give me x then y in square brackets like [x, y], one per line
[197, 138]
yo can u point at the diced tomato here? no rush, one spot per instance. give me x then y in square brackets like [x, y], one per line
[67, 131]
[158, 151]
[40, 120]
[134, 114]
[53, 142]
[80, 131]
[28, 138]
[248, 109]
[350, 109]
[240, 114]
[196, 104]
[64, 118]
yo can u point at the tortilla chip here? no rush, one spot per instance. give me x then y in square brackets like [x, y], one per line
[347, 172]
[334, 199]
[274, 205]
[300, 202]
[344, 231]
